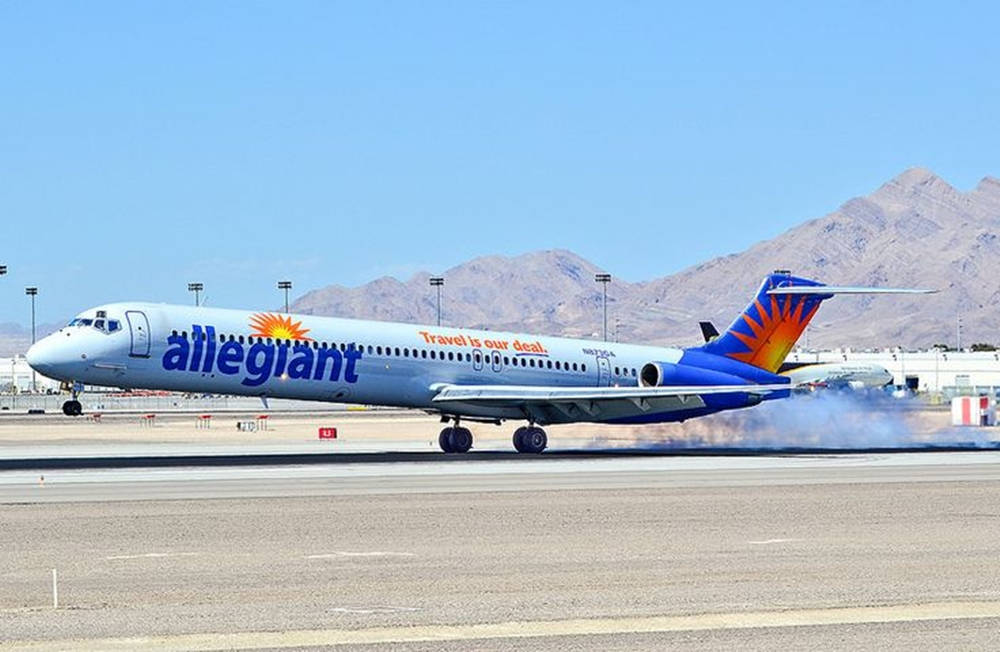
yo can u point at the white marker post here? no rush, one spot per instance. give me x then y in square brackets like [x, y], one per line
[55, 590]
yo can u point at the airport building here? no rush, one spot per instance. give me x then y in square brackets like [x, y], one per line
[15, 377]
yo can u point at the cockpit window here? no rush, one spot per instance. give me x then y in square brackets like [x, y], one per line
[104, 325]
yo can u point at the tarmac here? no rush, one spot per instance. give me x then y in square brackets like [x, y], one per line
[393, 546]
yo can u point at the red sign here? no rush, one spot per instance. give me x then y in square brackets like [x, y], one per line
[327, 433]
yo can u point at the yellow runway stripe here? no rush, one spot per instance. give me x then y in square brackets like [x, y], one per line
[530, 629]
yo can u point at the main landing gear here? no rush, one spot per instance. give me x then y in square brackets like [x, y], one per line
[530, 439]
[455, 439]
[527, 439]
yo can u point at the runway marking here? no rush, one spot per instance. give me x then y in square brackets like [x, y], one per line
[531, 629]
[765, 542]
[151, 555]
[368, 553]
[372, 610]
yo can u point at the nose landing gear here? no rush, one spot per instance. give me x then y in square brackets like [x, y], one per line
[72, 408]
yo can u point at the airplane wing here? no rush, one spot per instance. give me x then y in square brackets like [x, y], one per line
[555, 404]
[534, 393]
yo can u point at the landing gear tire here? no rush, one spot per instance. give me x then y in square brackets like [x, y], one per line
[460, 440]
[72, 408]
[444, 440]
[530, 440]
[519, 439]
[455, 440]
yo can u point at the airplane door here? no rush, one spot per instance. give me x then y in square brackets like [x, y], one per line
[603, 371]
[477, 359]
[138, 326]
[496, 362]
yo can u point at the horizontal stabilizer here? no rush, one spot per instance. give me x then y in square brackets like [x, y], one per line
[843, 289]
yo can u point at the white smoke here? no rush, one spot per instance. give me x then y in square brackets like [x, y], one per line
[826, 419]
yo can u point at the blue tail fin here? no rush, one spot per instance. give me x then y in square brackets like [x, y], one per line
[764, 333]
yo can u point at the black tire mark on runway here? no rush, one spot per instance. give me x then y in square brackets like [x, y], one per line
[292, 459]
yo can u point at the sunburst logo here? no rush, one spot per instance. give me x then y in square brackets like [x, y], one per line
[773, 334]
[280, 327]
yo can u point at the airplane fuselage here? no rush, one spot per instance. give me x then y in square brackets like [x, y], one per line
[212, 350]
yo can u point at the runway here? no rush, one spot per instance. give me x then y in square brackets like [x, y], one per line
[614, 552]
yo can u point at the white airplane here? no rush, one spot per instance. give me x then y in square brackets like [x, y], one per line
[855, 375]
[461, 374]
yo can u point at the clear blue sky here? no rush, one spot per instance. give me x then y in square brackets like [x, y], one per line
[143, 145]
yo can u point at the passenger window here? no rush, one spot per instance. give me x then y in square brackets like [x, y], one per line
[423, 353]
[241, 339]
[433, 355]
[451, 355]
[397, 351]
[184, 334]
[478, 359]
[583, 367]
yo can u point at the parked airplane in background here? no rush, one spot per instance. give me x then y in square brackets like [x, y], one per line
[461, 374]
[837, 375]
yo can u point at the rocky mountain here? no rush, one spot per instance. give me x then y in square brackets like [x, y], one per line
[914, 231]
[15, 339]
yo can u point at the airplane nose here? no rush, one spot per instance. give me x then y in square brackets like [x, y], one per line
[43, 356]
[36, 356]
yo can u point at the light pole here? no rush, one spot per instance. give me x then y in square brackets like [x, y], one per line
[196, 288]
[437, 282]
[286, 286]
[604, 279]
[32, 292]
